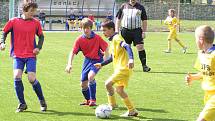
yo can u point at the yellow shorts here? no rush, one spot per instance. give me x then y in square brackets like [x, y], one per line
[172, 35]
[208, 112]
[121, 77]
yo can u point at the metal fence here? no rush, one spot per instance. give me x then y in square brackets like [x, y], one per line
[57, 12]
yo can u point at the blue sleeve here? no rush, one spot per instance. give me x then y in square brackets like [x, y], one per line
[106, 62]
[128, 49]
[3, 38]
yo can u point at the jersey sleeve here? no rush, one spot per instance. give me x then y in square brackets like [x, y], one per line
[103, 44]
[76, 46]
[119, 13]
[143, 14]
[8, 27]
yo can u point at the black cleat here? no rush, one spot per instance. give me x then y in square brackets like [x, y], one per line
[21, 108]
[146, 68]
[43, 105]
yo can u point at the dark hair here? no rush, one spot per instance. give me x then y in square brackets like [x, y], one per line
[107, 23]
[28, 5]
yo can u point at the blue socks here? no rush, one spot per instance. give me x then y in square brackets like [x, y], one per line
[38, 90]
[92, 88]
[19, 88]
[86, 93]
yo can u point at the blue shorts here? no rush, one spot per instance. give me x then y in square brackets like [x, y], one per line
[19, 63]
[88, 66]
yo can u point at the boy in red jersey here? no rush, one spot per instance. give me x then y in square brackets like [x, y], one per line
[92, 47]
[24, 51]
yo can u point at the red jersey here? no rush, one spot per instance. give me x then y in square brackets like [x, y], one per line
[23, 33]
[90, 47]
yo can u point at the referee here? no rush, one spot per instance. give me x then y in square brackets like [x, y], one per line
[133, 19]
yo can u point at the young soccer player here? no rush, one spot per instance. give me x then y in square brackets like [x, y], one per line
[92, 47]
[206, 65]
[123, 62]
[24, 51]
[172, 23]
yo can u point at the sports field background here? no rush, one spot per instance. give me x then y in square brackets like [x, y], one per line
[160, 95]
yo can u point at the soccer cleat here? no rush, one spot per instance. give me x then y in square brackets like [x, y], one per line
[146, 68]
[21, 108]
[43, 105]
[92, 103]
[167, 51]
[133, 113]
[85, 102]
[113, 107]
[184, 50]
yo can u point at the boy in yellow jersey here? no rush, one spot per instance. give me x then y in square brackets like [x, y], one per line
[172, 23]
[123, 62]
[206, 65]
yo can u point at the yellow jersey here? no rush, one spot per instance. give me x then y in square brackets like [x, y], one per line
[119, 54]
[172, 23]
[206, 64]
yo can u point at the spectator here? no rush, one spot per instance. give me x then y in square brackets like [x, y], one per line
[42, 18]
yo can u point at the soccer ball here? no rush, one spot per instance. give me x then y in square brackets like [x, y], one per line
[103, 111]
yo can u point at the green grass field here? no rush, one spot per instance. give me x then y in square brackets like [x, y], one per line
[160, 95]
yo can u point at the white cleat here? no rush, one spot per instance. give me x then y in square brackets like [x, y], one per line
[133, 113]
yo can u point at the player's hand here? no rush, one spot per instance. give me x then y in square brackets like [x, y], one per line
[131, 63]
[68, 68]
[188, 79]
[36, 51]
[143, 35]
[98, 65]
[2, 46]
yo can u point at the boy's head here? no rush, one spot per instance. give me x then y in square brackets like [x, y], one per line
[204, 36]
[29, 9]
[108, 28]
[87, 25]
[171, 12]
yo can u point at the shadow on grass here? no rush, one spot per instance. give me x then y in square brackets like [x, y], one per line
[54, 112]
[164, 72]
[141, 118]
[145, 109]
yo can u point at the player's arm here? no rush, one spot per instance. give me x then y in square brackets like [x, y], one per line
[191, 77]
[2, 41]
[76, 49]
[144, 21]
[106, 62]
[130, 53]
[166, 21]
[69, 64]
[118, 19]
[106, 54]
[7, 28]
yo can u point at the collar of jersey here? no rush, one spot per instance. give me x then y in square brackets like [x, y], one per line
[110, 38]
[210, 50]
[92, 34]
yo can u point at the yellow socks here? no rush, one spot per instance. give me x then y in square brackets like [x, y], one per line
[128, 104]
[112, 100]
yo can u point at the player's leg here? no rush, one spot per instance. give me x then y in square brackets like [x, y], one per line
[138, 42]
[92, 87]
[18, 65]
[181, 44]
[110, 93]
[169, 46]
[85, 91]
[131, 110]
[208, 113]
[31, 69]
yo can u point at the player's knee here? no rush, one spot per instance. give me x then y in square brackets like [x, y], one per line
[18, 76]
[31, 78]
[140, 47]
[177, 40]
[84, 85]
[119, 91]
[200, 119]
[108, 85]
[91, 78]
